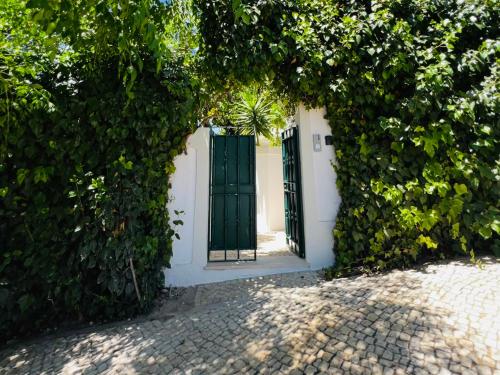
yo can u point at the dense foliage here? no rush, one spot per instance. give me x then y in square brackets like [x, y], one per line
[96, 99]
[249, 109]
[411, 91]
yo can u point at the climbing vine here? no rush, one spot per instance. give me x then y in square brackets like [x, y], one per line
[96, 98]
[411, 91]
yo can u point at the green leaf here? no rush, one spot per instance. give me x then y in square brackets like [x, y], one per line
[427, 241]
[245, 17]
[460, 189]
[455, 208]
[485, 232]
[430, 145]
[51, 27]
[429, 219]
[496, 226]
[21, 175]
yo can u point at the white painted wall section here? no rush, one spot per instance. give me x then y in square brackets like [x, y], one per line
[182, 198]
[269, 188]
[320, 197]
[190, 193]
[190, 189]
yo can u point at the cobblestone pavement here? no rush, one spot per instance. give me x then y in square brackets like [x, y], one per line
[442, 319]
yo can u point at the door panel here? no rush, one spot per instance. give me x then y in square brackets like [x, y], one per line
[232, 198]
[293, 191]
[217, 236]
[245, 230]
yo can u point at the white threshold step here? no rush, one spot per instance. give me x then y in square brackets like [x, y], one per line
[264, 262]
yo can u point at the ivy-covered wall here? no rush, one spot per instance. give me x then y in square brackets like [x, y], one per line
[98, 96]
[411, 91]
[87, 148]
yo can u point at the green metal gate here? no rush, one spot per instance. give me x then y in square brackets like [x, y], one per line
[233, 234]
[293, 191]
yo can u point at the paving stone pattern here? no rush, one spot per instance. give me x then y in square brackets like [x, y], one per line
[442, 319]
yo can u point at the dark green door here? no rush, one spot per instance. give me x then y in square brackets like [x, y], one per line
[293, 192]
[232, 198]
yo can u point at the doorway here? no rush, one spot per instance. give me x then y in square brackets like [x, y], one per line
[271, 237]
[232, 230]
[255, 198]
[279, 197]
[292, 184]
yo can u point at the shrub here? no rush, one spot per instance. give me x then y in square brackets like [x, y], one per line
[87, 148]
[411, 91]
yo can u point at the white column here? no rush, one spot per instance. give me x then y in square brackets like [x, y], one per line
[320, 197]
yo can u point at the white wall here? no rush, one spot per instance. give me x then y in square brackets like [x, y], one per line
[320, 197]
[181, 198]
[190, 193]
[269, 188]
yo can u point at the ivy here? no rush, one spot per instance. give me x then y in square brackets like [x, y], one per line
[411, 92]
[96, 100]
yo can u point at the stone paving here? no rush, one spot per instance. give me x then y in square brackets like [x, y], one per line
[442, 319]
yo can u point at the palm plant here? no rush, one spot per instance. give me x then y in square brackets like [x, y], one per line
[257, 112]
